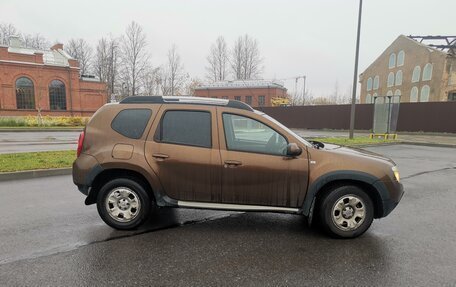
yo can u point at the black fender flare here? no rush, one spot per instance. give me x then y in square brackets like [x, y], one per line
[354, 175]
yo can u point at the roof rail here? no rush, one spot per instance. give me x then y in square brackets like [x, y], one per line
[186, 100]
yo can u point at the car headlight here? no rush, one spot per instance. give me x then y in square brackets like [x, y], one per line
[396, 173]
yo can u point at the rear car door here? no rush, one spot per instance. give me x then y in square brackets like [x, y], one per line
[183, 149]
[256, 169]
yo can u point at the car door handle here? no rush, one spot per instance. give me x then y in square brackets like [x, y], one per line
[232, 163]
[160, 156]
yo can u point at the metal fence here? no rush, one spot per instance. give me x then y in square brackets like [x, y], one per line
[413, 117]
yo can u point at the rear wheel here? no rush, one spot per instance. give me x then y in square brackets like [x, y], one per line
[346, 212]
[123, 203]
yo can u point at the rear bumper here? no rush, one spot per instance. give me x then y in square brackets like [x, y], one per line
[85, 169]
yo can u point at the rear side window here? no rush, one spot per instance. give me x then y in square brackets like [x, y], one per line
[131, 123]
[186, 128]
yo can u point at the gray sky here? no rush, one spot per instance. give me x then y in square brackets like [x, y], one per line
[313, 38]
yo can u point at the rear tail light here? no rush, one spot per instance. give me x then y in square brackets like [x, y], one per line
[80, 143]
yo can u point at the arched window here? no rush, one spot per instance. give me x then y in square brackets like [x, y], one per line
[373, 97]
[399, 78]
[376, 82]
[57, 95]
[392, 61]
[25, 94]
[400, 58]
[390, 82]
[416, 74]
[379, 100]
[414, 95]
[389, 94]
[397, 96]
[369, 84]
[427, 72]
[424, 97]
[368, 99]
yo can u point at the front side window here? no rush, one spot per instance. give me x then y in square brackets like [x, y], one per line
[191, 128]
[248, 135]
[57, 95]
[427, 72]
[248, 100]
[369, 84]
[25, 94]
[261, 101]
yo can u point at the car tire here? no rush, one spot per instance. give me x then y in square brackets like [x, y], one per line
[123, 203]
[346, 212]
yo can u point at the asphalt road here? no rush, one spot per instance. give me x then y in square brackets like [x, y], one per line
[12, 142]
[48, 237]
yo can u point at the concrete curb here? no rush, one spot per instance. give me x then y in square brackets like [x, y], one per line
[28, 174]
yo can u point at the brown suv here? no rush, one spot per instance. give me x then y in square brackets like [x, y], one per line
[148, 152]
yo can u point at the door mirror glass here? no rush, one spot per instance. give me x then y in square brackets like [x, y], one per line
[293, 149]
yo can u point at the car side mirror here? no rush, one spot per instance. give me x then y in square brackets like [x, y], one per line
[293, 149]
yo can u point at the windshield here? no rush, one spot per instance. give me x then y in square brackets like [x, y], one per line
[299, 138]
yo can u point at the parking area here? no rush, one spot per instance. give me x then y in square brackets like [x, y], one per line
[48, 237]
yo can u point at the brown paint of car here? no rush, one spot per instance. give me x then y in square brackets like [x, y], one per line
[280, 173]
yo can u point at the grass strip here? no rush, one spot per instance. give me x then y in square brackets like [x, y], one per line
[356, 141]
[36, 160]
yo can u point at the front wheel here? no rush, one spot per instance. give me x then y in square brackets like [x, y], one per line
[346, 212]
[123, 204]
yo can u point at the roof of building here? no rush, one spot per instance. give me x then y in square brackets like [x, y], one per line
[52, 57]
[186, 100]
[443, 43]
[243, 84]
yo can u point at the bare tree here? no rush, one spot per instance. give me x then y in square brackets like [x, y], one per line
[81, 51]
[246, 61]
[191, 86]
[134, 58]
[105, 62]
[217, 68]
[151, 82]
[35, 41]
[6, 31]
[173, 76]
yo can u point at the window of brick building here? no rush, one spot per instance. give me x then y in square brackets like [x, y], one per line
[25, 94]
[261, 101]
[225, 97]
[376, 82]
[416, 74]
[399, 78]
[237, 98]
[248, 100]
[390, 81]
[427, 72]
[414, 95]
[392, 61]
[424, 96]
[400, 58]
[369, 84]
[57, 95]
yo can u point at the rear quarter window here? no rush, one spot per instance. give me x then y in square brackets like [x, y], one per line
[131, 123]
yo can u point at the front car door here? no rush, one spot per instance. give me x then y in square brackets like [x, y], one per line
[183, 149]
[256, 169]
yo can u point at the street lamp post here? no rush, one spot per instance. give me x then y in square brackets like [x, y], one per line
[355, 75]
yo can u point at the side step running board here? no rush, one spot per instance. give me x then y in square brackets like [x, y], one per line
[238, 207]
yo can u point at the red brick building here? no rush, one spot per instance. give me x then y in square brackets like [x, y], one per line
[256, 93]
[32, 80]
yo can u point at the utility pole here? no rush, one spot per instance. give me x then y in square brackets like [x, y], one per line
[355, 75]
[304, 90]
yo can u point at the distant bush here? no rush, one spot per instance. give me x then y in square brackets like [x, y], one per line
[46, 121]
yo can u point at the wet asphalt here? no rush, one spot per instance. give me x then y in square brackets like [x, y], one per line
[48, 237]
